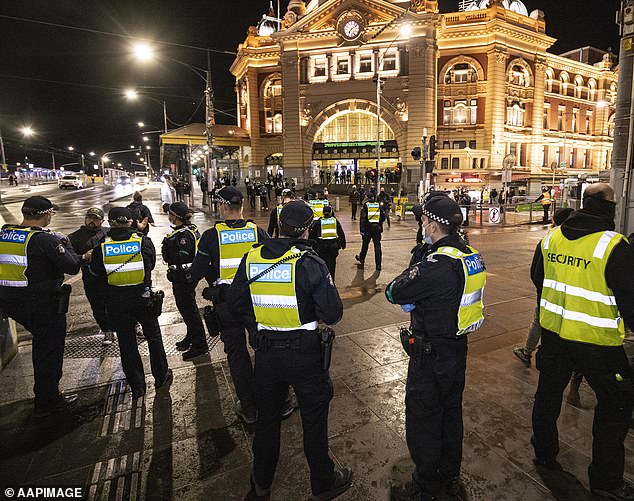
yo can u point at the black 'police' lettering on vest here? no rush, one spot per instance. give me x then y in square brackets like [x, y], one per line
[568, 260]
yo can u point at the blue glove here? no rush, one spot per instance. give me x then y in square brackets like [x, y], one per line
[407, 308]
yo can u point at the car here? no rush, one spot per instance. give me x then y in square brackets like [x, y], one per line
[123, 180]
[141, 177]
[70, 181]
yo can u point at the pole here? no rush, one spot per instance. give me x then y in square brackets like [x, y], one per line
[424, 156]
[164, 117]
[4, 159]
[53, 159]
[209, 117]
[378, 132]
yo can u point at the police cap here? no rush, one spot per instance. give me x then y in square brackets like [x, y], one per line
[297, 214]
[443, 210]
[230, 195]
[180, 210]
[95, 211]
[287, 193]
[120, 214]
[38, 206]
[328, 212]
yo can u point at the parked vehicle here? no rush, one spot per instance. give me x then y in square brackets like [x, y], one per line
[141, 177]
[70, 181]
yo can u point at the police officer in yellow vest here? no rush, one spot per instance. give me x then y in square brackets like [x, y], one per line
[329, 237]
[273, 229]
[371, 227]
[583, 274]
[546, 201]
[178, 250]
[125, 261]
[219, 253]
[283, 290]
[33, 261]
[443, 292]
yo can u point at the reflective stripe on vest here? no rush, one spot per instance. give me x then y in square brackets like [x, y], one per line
[470, 313]
[328, 228]
[118, 252]
[576, 302]
[233, 244]
[279, 209]
[546, 199]
[13, 255]
[318, 208]
[273, 295]
[374, 212]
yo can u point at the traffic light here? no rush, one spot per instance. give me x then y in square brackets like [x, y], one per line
[432, 148]
[416, 153]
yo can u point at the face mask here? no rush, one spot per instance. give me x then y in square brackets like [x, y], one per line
[603, 208]
[426, 237]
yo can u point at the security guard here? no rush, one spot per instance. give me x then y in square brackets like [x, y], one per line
[283, 289]
[179, 250]
[329, 237]
[583, 274]
[443, 292]
[219, 252]
[546, 201]
[371, 226]
[84, 240]
[274, 230]
[32, 267]
[125, 261]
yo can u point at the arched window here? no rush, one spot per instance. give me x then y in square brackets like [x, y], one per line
[578, 86]
[352, 126]
[592, 90]
[519, 76]
[564, 80]
[273, 105]
[612, 93]
[611, 126]
[461, 73]
[550, 75]
[515, 114]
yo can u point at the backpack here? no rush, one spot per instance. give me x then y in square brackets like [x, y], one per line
[135, 209]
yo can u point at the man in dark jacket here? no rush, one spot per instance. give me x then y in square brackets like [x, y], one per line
[354, 201]
[141, 215]
[329, 237]
[371, 226]
[282, 310]
[124, 261]
[386, 203]
[84, 240]
[443, 293]
[583, 275]
[273, 229]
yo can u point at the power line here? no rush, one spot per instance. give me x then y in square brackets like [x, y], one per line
[118, 35]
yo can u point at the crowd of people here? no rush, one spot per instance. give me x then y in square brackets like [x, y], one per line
[346, 175]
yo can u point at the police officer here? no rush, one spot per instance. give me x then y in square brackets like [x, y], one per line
[179, 250]
[583, 274]
[385, 203]
[371, 226]
[444, 295]
[282, 307]
[124, 261]
[273, 230]
[84, 240]
[219, 252]
[31, 273]
[329, 237]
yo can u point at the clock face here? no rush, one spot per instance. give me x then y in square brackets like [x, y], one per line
[351, 30]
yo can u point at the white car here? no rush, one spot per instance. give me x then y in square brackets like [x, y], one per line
[141, 177]
[70, 181]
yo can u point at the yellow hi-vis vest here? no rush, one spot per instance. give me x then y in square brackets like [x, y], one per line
[546, 199]
[328, 228]
[123, 261]
[318, 208]
[470, 313]
[233, 244]
[13, 259]
[374, 212]
[576, 302]
[273, 295]
[279, 209]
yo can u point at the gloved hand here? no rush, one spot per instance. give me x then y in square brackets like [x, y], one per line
[407, 308]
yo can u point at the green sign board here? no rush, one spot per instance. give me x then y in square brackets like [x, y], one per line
[360, 144]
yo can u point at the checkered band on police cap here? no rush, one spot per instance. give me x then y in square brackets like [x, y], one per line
[297, 214]
[442, 210]
[38, 206]
[230, 195]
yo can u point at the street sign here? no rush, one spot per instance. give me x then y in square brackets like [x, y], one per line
[494, 215]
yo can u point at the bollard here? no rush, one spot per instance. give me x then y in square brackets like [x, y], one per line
[481, 208]
[337, 204]
[530, 213]
[258, 204]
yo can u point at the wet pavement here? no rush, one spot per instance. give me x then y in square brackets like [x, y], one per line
[187, 443]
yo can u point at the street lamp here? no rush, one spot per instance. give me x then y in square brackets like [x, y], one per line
[143, 51]
[141, 124]
[130, 94]
[27, 131]
[146, 139]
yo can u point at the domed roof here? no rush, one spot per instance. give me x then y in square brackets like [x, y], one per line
[268, 24]
[512, 5]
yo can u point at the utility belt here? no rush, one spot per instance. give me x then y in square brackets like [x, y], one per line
[322, 339]
[179, 272]
[415, 343]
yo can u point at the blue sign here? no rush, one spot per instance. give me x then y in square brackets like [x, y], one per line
[122, 249]
[282, 274]
[474, 264]
[239, 236]
[14, 236]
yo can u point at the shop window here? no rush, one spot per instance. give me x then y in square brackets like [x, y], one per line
[273, 106]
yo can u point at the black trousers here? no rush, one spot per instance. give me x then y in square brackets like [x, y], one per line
[124, 315]
[433, 412]
[365, 245]
[300, 368]
[48, 328]
[546, 210]
[354, 210]
[608, 373]
[328, 252]
[96, 294]
[233, 336]
[185, 296]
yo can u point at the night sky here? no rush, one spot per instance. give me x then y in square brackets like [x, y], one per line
[67, 84]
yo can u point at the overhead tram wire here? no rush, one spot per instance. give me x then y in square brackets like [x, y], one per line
[118, 35]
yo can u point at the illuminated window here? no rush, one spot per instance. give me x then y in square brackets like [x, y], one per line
[461, 73]
[446, 114]
[563, 85]
[588, 120]
[578, 87]
[560, 119]
[575, 119]
[585, 159]
[518, 76]
[612, 93]
[592, 90]
[546, 123]
[273, 106]
[461, 113]
[515, 115]
[474, 111]
[352, 126]
[550, 75]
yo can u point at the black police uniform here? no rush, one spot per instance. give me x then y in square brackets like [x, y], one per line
[139, 212]
[35, 307]
[371, 232]
[436, 376]
[328, 248]
[296, 363]
[84, 240]
[128, 305]
[385, 202]
[179, 250]
[273, 229]
[232, 329]
[557, 358]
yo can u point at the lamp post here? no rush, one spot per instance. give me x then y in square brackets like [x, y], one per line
[133, 95]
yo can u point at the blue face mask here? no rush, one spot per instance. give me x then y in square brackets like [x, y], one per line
[426, 237]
